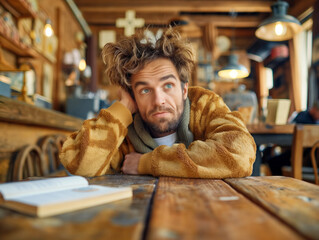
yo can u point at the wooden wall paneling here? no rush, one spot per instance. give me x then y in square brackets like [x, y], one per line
[92, 55]
[295, 74]
[65, 27]
[58, 81]
[315, 17]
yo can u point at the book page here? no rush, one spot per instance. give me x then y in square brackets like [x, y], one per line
[69, 195]
[25, 188]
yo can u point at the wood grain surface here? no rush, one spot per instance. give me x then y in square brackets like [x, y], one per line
[293, 201]
[19, 112]
[210, 209]
[262, 128]
[124, 219]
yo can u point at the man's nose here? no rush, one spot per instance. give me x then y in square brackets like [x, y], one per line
[159, 97]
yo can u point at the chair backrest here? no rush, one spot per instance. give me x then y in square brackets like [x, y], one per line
[314, 162]
[29, 163]
[303, 136]
[38, 160]
[51, 146]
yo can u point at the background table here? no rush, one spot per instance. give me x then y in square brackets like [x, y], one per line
[281, 135]
[177, 208]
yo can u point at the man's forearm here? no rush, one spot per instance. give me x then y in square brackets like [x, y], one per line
[89, 151]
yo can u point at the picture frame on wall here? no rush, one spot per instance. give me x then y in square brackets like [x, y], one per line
[25, 29]
[47, 80]
[50, 47]
[38, 34]
[16, 80]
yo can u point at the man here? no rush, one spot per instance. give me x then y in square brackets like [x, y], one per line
[159, 126]
[310, 116]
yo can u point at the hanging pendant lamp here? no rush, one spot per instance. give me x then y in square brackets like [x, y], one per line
[233, 70]
[48, 30]
[280, 26]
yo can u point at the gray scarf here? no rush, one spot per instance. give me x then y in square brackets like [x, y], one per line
[143, 141]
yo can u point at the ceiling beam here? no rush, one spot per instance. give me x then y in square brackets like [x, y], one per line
[300, 7]
[110, 18]
[224, 21]
[164, 18]
[242, 33]
[174, 6]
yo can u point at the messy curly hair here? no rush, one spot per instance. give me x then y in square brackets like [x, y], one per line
[130, 55]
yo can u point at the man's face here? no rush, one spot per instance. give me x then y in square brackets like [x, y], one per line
[159, 96]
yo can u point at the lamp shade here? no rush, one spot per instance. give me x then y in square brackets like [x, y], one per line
[233, 70]
[280, 26]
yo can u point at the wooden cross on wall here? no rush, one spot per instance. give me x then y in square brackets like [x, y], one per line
[129, 23]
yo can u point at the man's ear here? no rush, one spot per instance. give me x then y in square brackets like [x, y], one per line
[185, 91]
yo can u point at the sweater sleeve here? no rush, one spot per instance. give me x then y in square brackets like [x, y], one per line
[223, 147]
[94, 149]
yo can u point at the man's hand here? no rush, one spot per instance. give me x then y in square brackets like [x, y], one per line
[130, 164]
[127, 100]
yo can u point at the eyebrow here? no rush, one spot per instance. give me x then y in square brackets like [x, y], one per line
[161, 79]
[167, 77]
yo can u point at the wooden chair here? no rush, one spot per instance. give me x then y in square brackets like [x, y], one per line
[28, 163]
[304, 136]
[59, 140]
[314, 162]
[38, 160]
[51, 146]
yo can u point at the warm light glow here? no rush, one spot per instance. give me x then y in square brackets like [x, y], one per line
[233, 74]
[48, 31]
[82, 65]
[279, 29]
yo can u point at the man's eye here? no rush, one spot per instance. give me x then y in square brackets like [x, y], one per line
[144, 91]
[168, 85]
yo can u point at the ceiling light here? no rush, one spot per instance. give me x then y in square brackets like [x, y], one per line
[233, 70]
[280, 26]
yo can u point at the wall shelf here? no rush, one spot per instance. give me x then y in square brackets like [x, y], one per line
[22, 7]
[19, 50]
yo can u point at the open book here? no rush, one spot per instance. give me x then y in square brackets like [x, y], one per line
[52, 196]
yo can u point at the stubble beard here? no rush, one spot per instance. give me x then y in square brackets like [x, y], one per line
[165, 126]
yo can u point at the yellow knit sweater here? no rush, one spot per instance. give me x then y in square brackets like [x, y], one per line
[222, 145]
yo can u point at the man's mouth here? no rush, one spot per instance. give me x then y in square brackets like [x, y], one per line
[160, 114]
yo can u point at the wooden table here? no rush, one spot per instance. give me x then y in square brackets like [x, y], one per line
[281, 135]
[176, 208]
